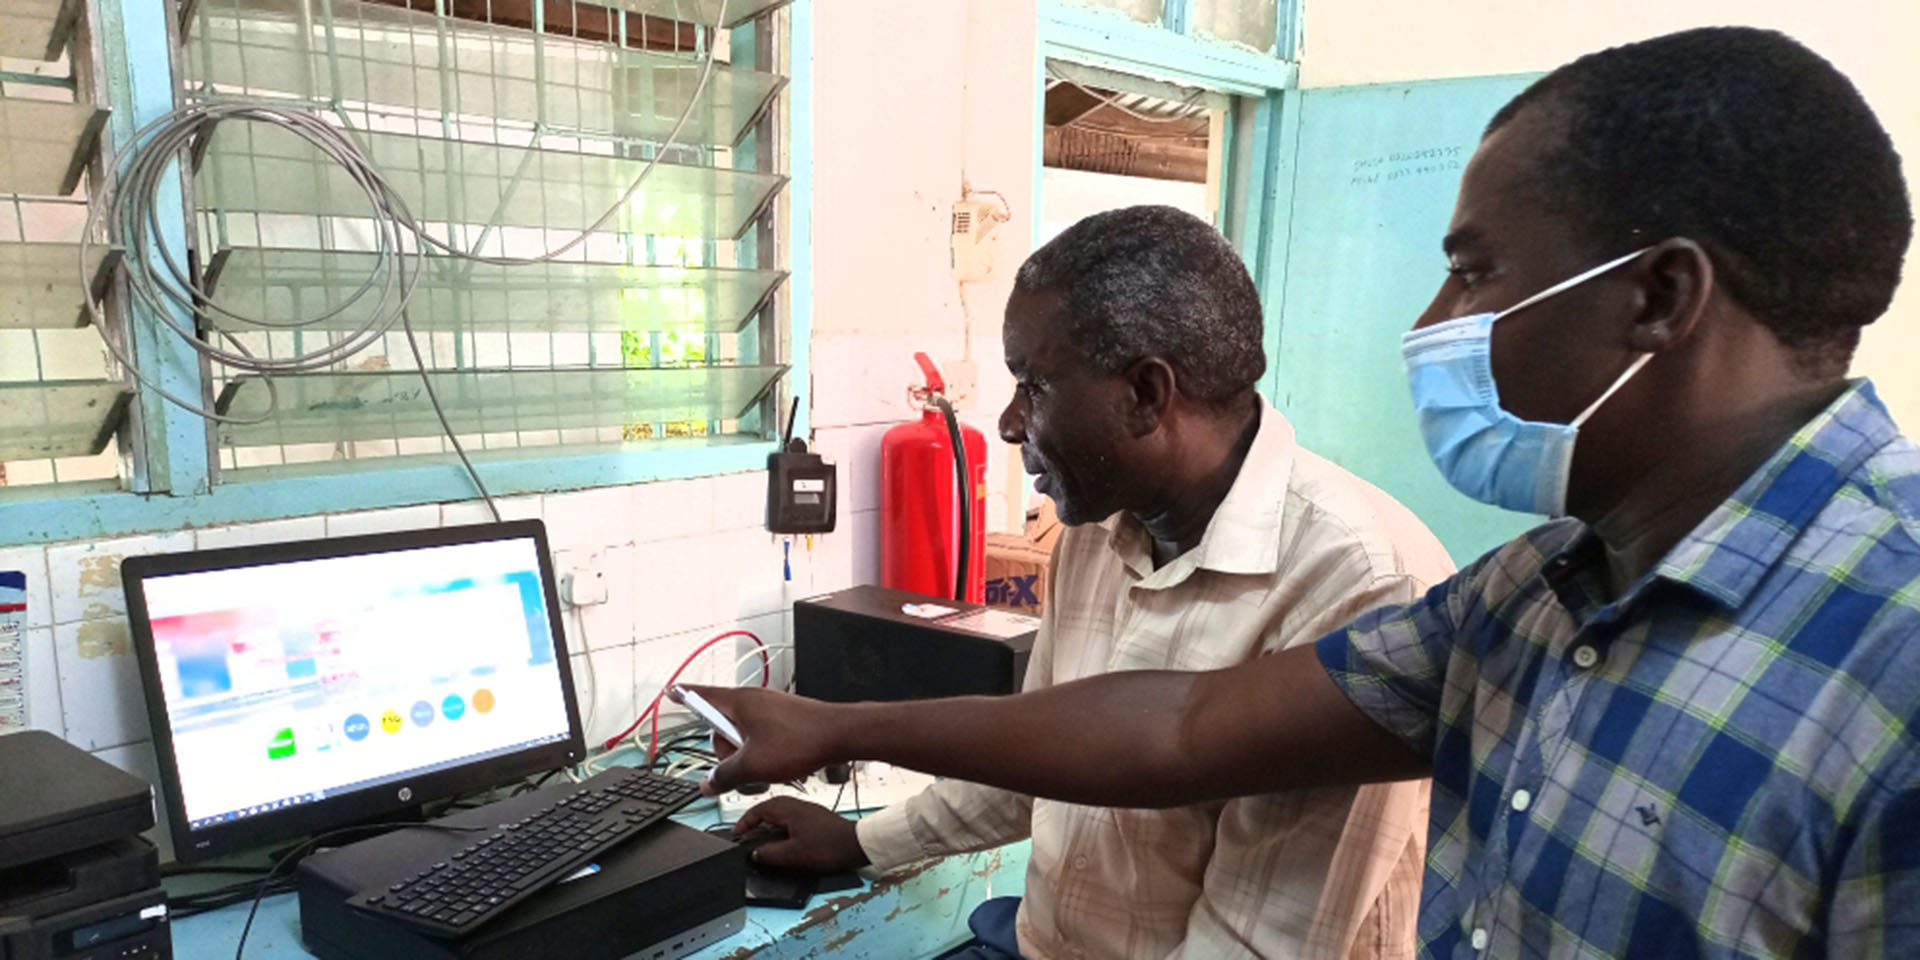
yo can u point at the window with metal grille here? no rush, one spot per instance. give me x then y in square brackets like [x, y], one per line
[1253, 25]
[508, 126]
[60, 404]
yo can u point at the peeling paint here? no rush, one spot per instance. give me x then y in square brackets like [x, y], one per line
[826, 912]
[898, 910]
[96, 610]
[103, 638]
[840, 941]
[100, 571]
[992, 867]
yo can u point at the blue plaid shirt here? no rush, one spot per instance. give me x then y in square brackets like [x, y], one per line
[1722, 762]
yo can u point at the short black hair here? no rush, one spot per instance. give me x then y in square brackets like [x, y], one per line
[1751, 145]
[1155, 281]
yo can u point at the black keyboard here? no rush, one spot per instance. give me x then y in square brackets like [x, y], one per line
[479, 881]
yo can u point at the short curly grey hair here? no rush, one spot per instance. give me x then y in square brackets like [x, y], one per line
[1155, 281]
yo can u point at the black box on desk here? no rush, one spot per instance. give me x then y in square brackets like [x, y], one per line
[666, 893]
[77, 882]
[56, 798]
[872, 643]
[99, 903]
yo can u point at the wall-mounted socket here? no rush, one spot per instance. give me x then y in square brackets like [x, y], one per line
[584, 585]
[973, 220]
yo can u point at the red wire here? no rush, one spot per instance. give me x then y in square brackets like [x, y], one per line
[653, 736]
[653, 708]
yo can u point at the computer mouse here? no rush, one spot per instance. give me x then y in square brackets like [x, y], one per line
[760, 836]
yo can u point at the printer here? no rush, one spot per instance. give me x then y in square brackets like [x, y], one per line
[77, 881]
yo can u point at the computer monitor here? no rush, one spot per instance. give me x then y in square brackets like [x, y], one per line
[299, 687]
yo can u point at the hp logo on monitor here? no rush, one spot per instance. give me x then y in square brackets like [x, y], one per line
[406, 794]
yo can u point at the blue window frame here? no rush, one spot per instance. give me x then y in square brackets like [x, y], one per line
[1256, 192]
[173, 473]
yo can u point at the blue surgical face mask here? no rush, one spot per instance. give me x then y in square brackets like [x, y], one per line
[1484, 451]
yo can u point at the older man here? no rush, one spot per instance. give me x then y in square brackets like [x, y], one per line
[1200, 536]
[1678, 721]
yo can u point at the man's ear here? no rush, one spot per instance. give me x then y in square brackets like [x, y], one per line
[1676, 282]
[1151, 384]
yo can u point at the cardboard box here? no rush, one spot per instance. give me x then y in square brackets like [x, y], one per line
[1017, 563]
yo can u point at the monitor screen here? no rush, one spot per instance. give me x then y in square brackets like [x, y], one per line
[302, 681]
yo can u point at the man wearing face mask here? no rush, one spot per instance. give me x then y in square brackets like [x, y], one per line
[1199, 535]
[1679, 721]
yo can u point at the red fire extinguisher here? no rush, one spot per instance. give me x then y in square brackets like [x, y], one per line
[929, 530]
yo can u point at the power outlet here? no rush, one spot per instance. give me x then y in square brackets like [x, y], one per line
[583, 586]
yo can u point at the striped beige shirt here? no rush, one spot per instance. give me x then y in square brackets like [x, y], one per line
[1297, 548]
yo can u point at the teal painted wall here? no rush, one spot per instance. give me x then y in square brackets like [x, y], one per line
[1374, 177]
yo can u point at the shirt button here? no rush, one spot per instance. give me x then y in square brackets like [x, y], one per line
[1585, 657]
[1522, 800]
[1079, 863]
[1479, 938]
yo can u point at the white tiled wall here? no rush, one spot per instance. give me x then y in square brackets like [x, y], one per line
[683, 561]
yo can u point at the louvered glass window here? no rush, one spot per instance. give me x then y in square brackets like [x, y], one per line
[507, 127]
[61, 405]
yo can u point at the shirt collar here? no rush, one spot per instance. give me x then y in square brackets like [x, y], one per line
[1243, 536]
[1725, 556]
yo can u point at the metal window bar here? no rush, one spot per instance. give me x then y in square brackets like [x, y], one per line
[61, 402]
[427, 91]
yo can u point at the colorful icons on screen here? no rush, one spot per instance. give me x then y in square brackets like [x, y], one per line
[357, 727]
[281, 745]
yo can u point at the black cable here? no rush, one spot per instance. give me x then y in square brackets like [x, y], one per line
[210, 898]
[961, 569]
[533, 785]
[176, 870]
[294, 855]
[684, 753]
[205, 901]
[678, 744]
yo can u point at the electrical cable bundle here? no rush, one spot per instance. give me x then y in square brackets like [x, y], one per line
[146, 176]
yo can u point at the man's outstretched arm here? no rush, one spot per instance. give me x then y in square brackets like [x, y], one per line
[1132, 739]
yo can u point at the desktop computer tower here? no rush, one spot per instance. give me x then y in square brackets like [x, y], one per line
[873, 643]
[666, 893]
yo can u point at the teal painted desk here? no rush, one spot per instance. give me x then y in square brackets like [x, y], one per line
[916, 913]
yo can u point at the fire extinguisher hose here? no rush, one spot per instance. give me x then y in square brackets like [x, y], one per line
[960, 473]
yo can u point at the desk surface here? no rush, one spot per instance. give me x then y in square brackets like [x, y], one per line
[918, 912]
